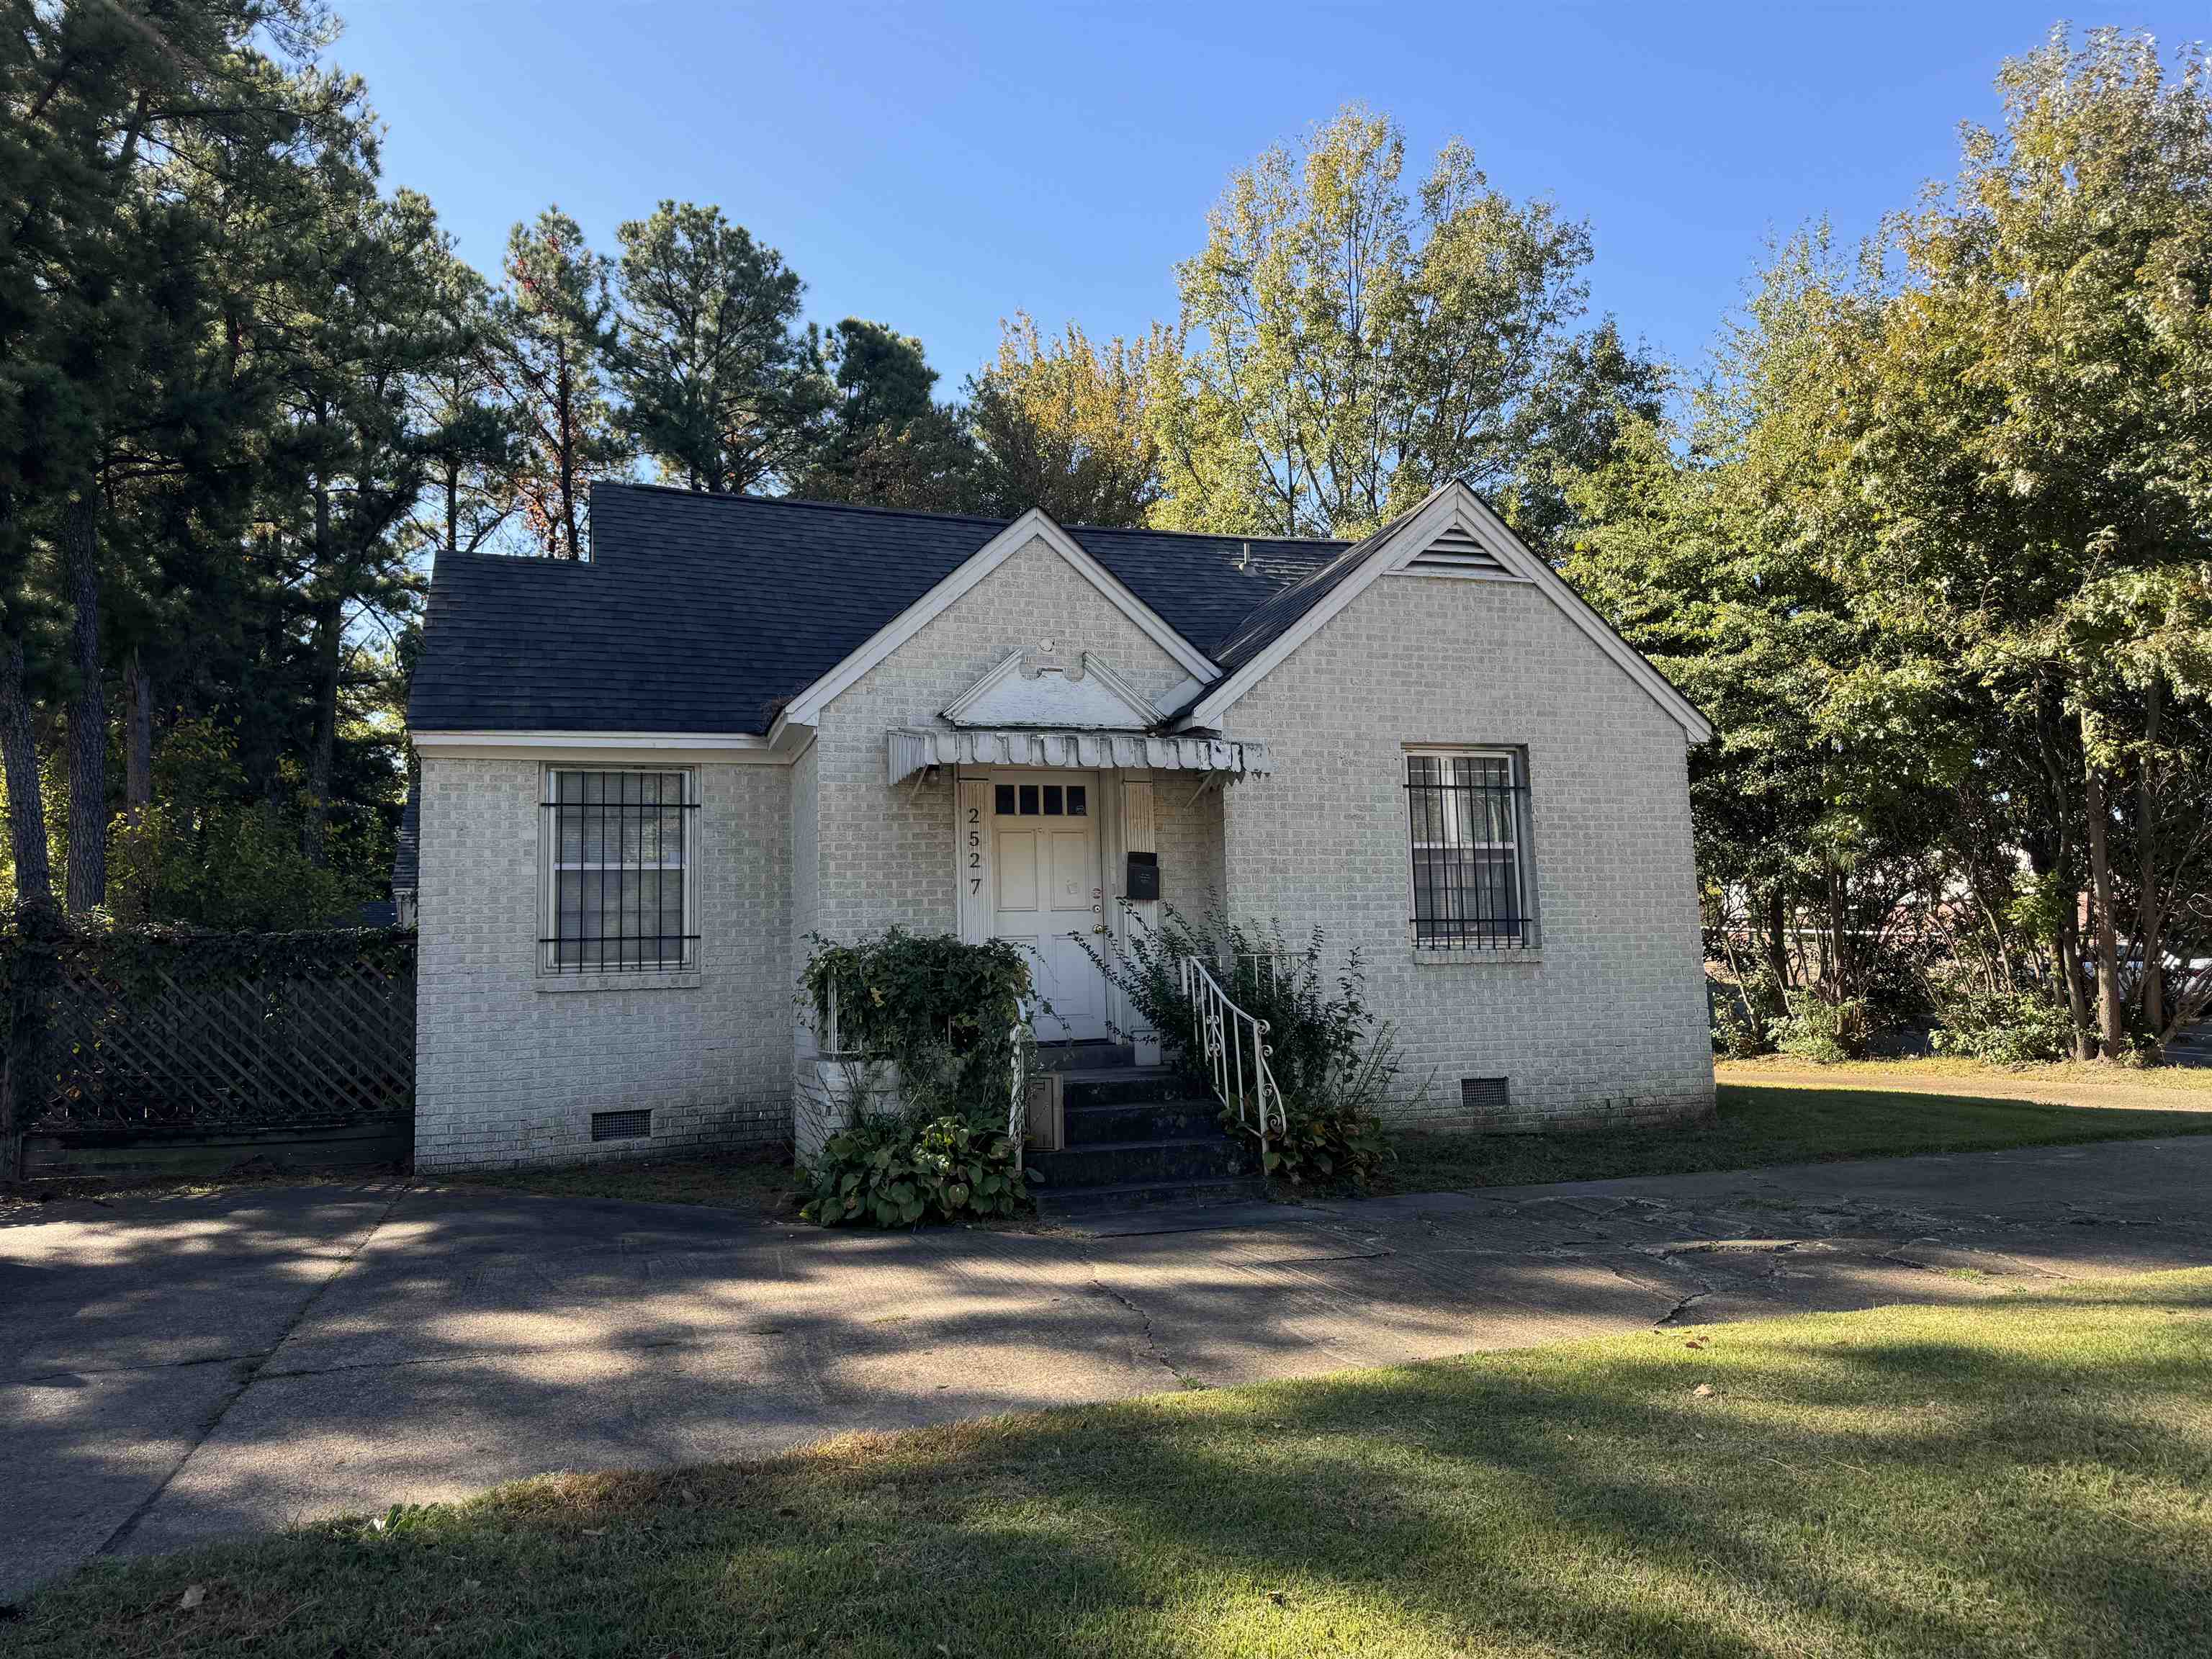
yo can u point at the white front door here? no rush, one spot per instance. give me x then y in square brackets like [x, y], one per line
[1044, 864]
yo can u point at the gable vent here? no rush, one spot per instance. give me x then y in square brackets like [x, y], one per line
[1456, 550]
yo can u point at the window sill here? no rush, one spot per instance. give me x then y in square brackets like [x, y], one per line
[1475, 958]
[686, 979]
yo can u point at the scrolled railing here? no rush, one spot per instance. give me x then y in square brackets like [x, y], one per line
[1232, 1045]
[1018, 1108]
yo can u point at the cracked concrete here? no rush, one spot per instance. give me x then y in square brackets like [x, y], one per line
[187, 1367]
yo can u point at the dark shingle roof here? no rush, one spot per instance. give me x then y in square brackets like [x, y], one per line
[1273, 619]
[702, 613]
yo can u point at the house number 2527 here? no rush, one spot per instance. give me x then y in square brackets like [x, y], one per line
[974, 850]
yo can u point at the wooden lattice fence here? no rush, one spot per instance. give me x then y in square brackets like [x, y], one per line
[152, 1028]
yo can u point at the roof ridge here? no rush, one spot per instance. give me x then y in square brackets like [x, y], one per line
[960, 518]
[798, 500]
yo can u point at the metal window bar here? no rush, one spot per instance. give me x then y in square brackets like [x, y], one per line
[615, 837]
[1464, 821]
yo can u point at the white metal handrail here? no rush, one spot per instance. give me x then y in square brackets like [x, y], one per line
[1233, 1046]
[1018, 1106]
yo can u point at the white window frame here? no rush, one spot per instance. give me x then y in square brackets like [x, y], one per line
[1526, 936]
[550, 868]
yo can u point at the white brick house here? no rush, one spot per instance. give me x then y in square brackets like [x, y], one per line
[648, 779]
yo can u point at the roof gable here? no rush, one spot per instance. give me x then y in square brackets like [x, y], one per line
[1041, 688]
[1453, 534]
[1034, 525]
[701, 613]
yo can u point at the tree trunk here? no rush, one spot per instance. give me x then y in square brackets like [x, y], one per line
[1777, 939]
[138, 738]
[329, 621]
[2070, 966]
[2050, 735]
[88, 714]
[2110, 1029]
[567, 459]
[2150, 918]
[19, 750]
[329, 624]
[1839, 930]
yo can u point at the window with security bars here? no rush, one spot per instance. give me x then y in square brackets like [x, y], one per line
[618, 896]
[1466, 817]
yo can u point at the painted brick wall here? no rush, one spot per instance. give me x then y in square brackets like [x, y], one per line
[1187, 834]
[1608, 1024]
[886, 854]
[510, 1073]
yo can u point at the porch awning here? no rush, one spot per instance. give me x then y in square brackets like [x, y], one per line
[913, 748]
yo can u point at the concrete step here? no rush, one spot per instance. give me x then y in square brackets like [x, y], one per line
[1080, 1201]
[1210, 1157]
[1142, 1119]
[1124, 1086]
[1085, 1056]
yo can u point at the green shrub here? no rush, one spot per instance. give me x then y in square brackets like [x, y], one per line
[1333, 1060]
[2004, 1027]
[945, 1017]
[1828, 1032]
[1334, 1138]
[947, 1013]
[899, 1169]
[1737, 1032]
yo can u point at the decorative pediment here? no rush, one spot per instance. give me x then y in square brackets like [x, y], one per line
[1064, 689]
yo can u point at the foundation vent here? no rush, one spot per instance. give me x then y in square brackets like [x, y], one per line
[1484, 1097]
[622, 1125]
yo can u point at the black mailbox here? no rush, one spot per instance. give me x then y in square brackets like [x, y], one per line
[1144, 876]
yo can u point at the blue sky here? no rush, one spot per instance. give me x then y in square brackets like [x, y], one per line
[936, 169]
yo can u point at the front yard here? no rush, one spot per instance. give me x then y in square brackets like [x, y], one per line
[1771, 1111]
[2028, 1476]
[1789, 1112]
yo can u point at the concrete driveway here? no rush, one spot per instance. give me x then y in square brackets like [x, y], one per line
[182, 1368]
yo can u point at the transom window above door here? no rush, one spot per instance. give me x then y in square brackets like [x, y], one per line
[1045, 800]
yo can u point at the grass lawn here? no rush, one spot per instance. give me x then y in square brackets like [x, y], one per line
[2031, 1476]
[760, 1181]
[1777, 1113]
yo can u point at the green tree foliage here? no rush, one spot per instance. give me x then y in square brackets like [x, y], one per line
[721, 387]
[555, 324]
[468, 436]
[209, 853]
[1351, 348]
[2032, 425]
[124, 122]
[1066, 425]
[1937, 556]
[887, 442]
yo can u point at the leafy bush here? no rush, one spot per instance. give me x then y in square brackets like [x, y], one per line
[1828, 1032]
[2004, 1027]
[947, 1013]
[211, 854]
[1334, 1136]
[1738, 1032]
[1333, 1060]
[899, 1169]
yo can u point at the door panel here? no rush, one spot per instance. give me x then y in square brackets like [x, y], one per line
[1018, 870]
[1047, 894]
